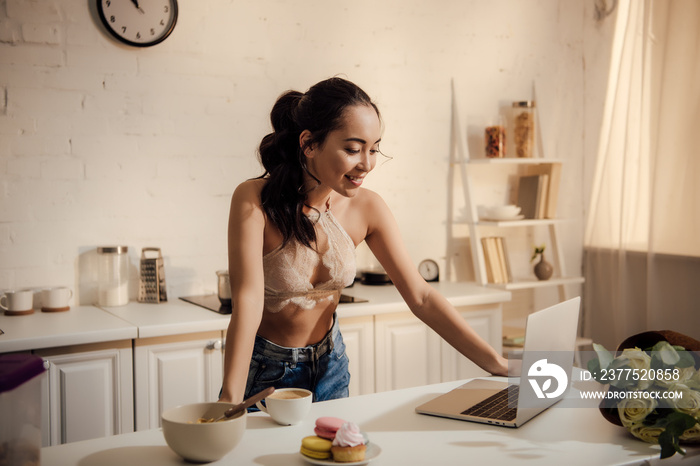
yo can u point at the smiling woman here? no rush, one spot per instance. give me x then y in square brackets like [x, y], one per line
[292, 238]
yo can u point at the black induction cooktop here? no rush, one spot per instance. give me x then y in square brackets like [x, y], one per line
[208, 301]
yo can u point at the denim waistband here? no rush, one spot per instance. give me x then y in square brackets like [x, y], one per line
[313, 352]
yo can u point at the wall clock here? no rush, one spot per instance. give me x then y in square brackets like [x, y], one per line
[139, 23]
[429, 270]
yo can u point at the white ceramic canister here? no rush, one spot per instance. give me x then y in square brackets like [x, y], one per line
[113, 271]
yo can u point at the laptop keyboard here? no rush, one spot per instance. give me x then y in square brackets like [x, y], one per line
[498, 406]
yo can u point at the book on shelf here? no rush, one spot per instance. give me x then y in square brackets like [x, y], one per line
[553, 171]
[513, 336]
[490, 277]
[543, 197]
[496, 260]
[503, 257]
[532, 195]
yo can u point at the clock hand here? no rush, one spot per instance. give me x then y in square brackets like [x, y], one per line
[136, 4]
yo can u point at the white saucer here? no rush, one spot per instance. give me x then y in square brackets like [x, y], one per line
[372, 452]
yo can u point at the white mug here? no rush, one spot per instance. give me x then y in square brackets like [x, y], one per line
[288, 406]
[17, 300]
[56, 298]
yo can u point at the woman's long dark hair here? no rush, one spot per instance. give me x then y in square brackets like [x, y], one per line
[320, 110]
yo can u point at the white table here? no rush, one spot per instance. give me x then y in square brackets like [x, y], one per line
[559, 436]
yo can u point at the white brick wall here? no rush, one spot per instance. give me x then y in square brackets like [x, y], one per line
[105, 144]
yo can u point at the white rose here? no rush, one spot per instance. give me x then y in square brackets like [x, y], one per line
[694, 380]
[687, 401]
[691, 435]
[634, 410]
[645, 433]
[684, 375]
[639, 361]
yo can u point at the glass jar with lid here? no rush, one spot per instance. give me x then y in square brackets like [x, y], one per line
[113, 272]
[524, 128]
[495, 138]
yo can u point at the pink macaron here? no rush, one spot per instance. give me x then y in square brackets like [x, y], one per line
[326, 427]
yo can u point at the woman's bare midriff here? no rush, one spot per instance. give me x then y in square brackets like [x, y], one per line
[293, 327]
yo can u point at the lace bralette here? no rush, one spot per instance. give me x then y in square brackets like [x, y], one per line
[296, 275]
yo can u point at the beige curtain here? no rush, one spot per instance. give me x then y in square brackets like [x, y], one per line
[642, 243]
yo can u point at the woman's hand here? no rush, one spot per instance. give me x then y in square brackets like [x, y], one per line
[500, 367]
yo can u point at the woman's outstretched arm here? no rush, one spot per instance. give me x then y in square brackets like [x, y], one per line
[384, 239]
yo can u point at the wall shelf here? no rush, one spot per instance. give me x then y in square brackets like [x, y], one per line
[481, 178]
[512, 223]
[529, 284]
[510, 161]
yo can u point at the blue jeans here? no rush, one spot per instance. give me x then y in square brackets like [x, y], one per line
[321, 368]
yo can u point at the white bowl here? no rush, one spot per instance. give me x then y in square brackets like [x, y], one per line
[202, 442]
[502, 211]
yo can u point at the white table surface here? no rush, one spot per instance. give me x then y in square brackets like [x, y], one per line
[559, 436]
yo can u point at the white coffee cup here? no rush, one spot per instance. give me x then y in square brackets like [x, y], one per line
[56, 298]
[17, 300]
[288, 406]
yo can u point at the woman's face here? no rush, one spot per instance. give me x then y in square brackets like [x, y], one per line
[349, 153]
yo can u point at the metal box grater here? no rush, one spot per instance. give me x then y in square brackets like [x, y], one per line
[152, 281]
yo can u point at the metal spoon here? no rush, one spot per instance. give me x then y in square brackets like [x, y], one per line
[246, 404]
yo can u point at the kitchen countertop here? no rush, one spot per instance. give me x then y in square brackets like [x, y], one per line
[91, 324]
[174, 317]
[384, 299]
[560, 435]
[79, 325]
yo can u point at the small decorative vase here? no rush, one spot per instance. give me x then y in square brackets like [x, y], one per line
[543, 269]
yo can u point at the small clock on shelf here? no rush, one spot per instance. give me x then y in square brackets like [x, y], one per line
[139, 23]
[429, 270]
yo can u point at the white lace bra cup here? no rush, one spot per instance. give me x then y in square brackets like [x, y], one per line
[296, 275]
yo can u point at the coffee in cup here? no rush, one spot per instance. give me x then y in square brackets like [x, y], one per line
[55, 299]
[287, 406]
[17, 302]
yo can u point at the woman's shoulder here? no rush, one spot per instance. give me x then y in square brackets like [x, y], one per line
[365, 208]
[367, 199]
[249, 189]
[246, 196]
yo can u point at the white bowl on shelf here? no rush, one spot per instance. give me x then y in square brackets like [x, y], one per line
[501, 212]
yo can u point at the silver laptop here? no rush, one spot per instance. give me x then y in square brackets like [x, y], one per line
[550, 342]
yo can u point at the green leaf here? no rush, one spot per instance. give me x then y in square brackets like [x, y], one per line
[604, 356]
[669, 445]
[594, 368]
[676, 424]
[621, 382]
[686, 359]
[667, 353]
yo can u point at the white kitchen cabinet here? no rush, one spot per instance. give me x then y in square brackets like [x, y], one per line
[174, 370]
[408, 353]
[486, 320]
[358, 335]
[88, 392]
